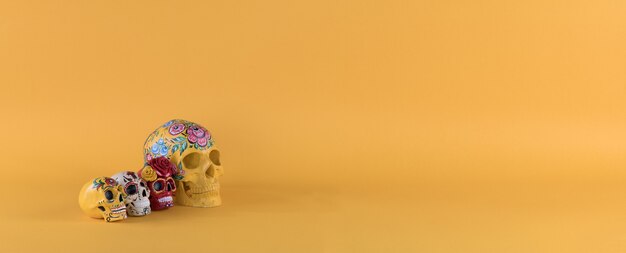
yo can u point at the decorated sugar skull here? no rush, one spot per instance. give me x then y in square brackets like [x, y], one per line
[190, 147]
[137, 193]
[159, 174]
[103, 198]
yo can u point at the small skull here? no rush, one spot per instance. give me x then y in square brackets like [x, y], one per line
[159, 173]
[103, 198]
[190, 147]
[137, 193]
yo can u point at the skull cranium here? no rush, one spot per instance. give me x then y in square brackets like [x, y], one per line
[103, 198]
[191, 148]
[137, 203]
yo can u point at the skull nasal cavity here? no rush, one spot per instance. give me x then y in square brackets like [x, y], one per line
[215, 157]
[192, 161]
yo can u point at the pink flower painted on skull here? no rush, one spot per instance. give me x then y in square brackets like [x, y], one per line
[177, 128]
[197, 134]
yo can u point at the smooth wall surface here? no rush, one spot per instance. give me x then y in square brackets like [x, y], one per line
[344, 126]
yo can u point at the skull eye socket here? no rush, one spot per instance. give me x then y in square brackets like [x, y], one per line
[171, 186]
[109, 195]
[158, 185]
[131, 189]
[215, 157]
[192, 161]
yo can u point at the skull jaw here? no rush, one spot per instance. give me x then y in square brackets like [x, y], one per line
[111, 217]
[161, 202]
[115, 213]
[211, 201]
[207, 198]
[138, 208]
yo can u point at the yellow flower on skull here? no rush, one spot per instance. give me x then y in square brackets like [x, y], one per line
[148, 174]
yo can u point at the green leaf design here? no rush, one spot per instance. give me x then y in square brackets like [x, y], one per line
[183, 147]
[174, 148]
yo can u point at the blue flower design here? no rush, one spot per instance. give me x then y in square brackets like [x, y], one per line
[168, 123]
[159, 148]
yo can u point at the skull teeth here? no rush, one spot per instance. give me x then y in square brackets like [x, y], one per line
[121, 209]
[166, 199]
[200, 190]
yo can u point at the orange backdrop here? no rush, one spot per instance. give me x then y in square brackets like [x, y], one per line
[344, 126]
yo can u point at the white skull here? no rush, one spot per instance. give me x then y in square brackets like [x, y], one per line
[190, 147]
[137, 202]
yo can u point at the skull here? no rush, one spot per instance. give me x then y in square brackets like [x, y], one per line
[103, 198]
[190, 147]
[159, 174]
[137, 193]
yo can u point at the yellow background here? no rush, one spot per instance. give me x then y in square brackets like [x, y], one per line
[344, 126]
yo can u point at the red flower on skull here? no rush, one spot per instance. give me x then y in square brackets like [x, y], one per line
[102, 181]
[162, 166]
[176, 128]
[198, 134]
[163, 187]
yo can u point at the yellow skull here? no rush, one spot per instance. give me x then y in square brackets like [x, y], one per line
[190, 147]
[103, 198]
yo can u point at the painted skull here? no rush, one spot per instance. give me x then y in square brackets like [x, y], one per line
[137, 193]
[103, 198]
[190, 147]
[159, 173]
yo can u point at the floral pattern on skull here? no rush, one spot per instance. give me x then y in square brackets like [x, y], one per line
[103, 198]
[191, 148]
[159, 176]
[137, 193]
[180, 135]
